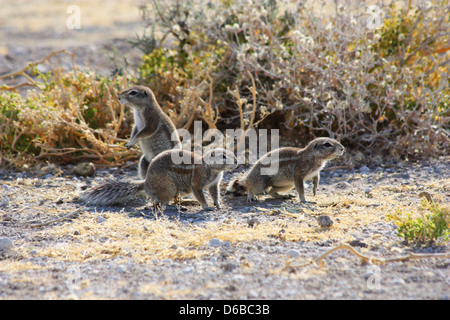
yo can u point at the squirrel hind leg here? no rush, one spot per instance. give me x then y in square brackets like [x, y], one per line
[274, 192]
[158, 207]
[255, 188]
[161, 191]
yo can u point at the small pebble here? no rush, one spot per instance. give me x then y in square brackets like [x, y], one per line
[364, 169]
[120, 269]
[358, 243]
[5, 244]
[252, 294]
[100, 219]
[179, 252]
[253, 222]
[228, 266]
[4, 202]
[398, 281]
[215, 242]
[84, 169]
[293, 253]
[325, 221]
[368, 192]
[188, 269]
[343, 185]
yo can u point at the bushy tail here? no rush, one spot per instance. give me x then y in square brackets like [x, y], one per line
[113, 192]
[236, 187]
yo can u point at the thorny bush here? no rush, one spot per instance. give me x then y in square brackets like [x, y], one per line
[319, 69]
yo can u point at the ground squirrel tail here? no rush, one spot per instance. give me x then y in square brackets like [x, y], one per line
[113, 192]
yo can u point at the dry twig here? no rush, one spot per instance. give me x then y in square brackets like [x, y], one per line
[368, 259]
[39, 223]
[22, 72]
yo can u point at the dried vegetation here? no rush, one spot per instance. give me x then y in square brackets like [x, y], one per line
[300, 67]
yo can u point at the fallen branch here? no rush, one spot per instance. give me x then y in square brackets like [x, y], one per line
[22, 72]
[368, 259]
[36, 224]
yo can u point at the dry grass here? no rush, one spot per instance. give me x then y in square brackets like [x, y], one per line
[164, 237]
[142, 240]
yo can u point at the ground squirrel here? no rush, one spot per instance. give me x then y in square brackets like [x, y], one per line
[153, 129]
[295, 166]
[167, 179]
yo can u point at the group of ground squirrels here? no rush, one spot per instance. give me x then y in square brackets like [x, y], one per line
[162, 179]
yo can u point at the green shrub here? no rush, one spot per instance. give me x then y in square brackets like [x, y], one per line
[432, 224]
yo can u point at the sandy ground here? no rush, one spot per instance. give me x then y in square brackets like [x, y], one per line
[30, 30]
[62, 250]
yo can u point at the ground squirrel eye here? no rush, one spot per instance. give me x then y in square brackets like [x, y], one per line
[133, 93]
[327, 144]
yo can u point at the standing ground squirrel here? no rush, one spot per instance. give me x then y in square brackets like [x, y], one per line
[153, 129]
[166, 179]
[295, 166]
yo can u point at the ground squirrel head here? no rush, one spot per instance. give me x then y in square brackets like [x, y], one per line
[137, 97]
[220, 159]
[326, 148]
